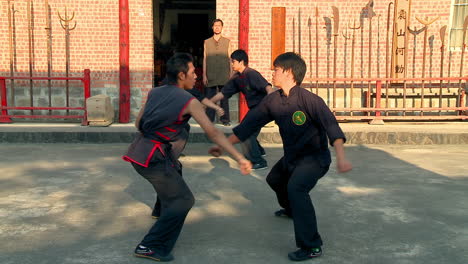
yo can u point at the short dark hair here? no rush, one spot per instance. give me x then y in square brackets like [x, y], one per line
[240, 55]
[177, 63]
[294, 62]
[217, 20]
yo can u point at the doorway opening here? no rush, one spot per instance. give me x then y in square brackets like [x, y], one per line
[181, 26]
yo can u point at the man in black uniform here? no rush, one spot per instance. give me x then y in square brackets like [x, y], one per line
[305, 122]
[252, 84]
[161, 121]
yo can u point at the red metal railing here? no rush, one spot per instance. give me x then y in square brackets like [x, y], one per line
[377, 91]
[6, 118]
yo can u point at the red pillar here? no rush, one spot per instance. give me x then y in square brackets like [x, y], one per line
[243, 44]
[4, 103]
[124, 49]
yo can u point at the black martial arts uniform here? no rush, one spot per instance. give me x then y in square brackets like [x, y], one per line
[252, 84]
[304, 122]
[152, 157]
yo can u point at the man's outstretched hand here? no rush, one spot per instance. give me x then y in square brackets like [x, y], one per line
[245, 166]
[344, 166]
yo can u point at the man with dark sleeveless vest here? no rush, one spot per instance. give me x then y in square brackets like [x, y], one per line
[217, 68]
[161, 121]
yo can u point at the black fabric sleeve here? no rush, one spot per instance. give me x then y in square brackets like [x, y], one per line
[327, 120]
[257, 81]
[196, 94]
[255, 119]
[230, 88]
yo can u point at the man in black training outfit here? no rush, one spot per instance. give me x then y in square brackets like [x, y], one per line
[252, 84]
[305, 122]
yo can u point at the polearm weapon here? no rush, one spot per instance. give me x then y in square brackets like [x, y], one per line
[426, 23]
[415, 32]
[294, 35]
[463, 46]
[31, 49]
[328, 29]
[316, 49]
[309, 25]
[442, 52]
[370, 15]
[299, 31]
[387, 62]
[66, 26]
[48, 29]
[387, 52]
[12, 44]
[431, 53]
[336, 24]
[15, 53]
[346, 37]
[354, 28]
[378, 46]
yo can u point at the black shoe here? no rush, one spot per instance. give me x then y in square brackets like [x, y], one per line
[305, 254]
[283, 213]
[146, 252]
[226, 123]
[259, 166]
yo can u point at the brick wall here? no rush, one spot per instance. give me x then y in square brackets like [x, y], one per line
[260, 35]
[94, 45]
[95, 42]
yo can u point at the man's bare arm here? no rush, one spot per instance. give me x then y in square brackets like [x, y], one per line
[218, 97]
[196, 110]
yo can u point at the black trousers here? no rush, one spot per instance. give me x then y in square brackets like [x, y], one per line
[175, 199]
[252, 149]
[292, 184]
[210, 92]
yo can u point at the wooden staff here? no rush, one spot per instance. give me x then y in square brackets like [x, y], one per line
[442, 52]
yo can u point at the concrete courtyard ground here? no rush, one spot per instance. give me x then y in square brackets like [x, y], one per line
[80, 203]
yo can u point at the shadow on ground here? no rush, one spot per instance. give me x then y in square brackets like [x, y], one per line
[73, 203]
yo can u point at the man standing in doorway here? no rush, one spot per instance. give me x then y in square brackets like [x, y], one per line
[217, 68]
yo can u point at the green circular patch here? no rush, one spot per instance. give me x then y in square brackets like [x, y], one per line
[299, 118]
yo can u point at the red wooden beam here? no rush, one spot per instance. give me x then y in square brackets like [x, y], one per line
[124, 41]
[243, 44]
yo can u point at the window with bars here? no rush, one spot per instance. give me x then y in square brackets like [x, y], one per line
[459, 12]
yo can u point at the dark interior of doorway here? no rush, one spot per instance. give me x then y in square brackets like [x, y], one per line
[183, 26]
